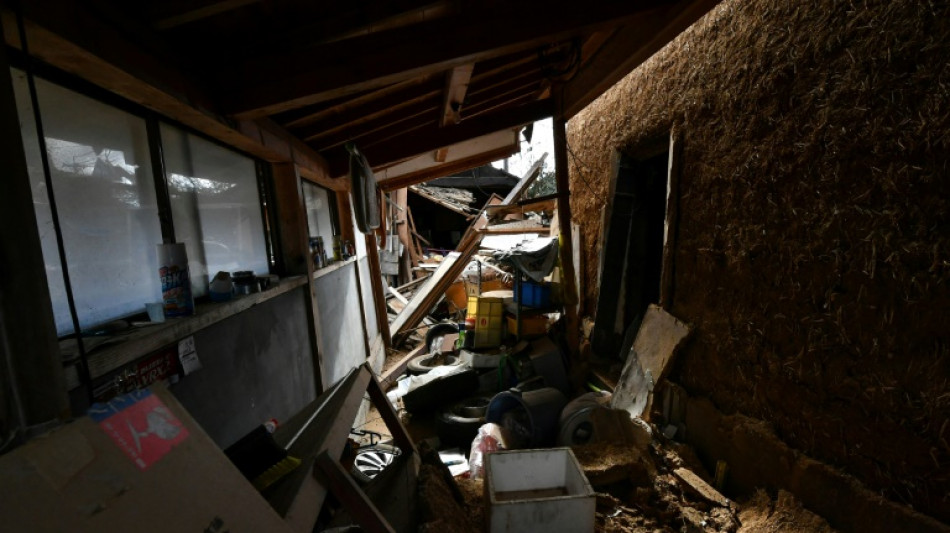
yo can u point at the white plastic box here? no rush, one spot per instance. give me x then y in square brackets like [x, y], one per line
[538, 490]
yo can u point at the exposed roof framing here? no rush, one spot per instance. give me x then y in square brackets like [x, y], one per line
[401, 78]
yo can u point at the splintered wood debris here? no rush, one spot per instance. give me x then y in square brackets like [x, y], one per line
[458, 200]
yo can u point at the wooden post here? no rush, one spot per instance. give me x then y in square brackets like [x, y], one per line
[35, 391]
[295, 252]
[376, 281]
[568, 285]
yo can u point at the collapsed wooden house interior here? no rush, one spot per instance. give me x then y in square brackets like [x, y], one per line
[749, 265]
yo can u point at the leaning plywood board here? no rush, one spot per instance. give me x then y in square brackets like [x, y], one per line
[659, 337]
[408, 318]
[137, 463]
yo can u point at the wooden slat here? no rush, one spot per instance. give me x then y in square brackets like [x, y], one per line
[288, 79]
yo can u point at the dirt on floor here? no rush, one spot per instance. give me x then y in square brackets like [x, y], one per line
[664, 503]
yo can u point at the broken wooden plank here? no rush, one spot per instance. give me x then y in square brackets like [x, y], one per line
[513, 230]
[659, 337]
[548, 203]
[390, 376]
[700, 488]
[397, 295]
[526, 181]
[456, 85]
[424, 299]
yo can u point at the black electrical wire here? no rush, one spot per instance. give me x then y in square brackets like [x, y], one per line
[57, 227]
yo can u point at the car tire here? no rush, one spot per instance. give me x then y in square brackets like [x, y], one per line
[457, 425]
[424, 363]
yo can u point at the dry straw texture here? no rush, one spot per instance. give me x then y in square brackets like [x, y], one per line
[814, 236]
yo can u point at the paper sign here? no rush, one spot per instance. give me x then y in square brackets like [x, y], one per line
[141, 425]
[188, 356]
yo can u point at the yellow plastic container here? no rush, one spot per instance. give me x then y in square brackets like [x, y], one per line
[488, 313]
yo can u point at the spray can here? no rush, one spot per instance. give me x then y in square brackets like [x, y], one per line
[176, 281]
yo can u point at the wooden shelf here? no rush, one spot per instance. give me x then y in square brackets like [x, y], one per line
[333, 267]
[118, 350]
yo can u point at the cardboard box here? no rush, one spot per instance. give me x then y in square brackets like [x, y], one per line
[138, 463]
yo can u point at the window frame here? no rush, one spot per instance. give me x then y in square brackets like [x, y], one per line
[153, 121]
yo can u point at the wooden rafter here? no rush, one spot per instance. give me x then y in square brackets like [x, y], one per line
[199, 10]
[435, 138]
[382, 119]
[294, 78]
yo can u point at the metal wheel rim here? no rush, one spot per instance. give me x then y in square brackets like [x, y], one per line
[371, 462]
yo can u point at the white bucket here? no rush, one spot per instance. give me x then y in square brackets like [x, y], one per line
[176, 282]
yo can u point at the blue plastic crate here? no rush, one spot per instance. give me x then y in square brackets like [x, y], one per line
[534, 294]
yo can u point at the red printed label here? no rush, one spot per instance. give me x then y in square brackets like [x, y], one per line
[141, 425]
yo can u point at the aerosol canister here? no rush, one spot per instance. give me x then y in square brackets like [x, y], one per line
[176, 281]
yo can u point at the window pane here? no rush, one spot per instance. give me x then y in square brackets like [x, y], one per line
[105, 196]
[319, 213]
[44, 217]
[215, 207]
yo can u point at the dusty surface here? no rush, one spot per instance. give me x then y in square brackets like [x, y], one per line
[813, 242]
[761, 514]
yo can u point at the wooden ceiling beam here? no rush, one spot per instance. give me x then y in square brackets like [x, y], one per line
[500, 94]
[626, 49]
[456, 85]
[199, 10]
[435, 138]
[352, 119]
[413, 126]
[507, 102]
[503, 79]
[332, 112]
[447, 169]
[273, 83]
[426, 108]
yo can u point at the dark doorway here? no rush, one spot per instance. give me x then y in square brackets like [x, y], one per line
[632, 257]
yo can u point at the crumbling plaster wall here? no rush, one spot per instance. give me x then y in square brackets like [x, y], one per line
[813, 244]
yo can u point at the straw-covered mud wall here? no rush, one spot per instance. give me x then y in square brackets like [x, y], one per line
[813, 244]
